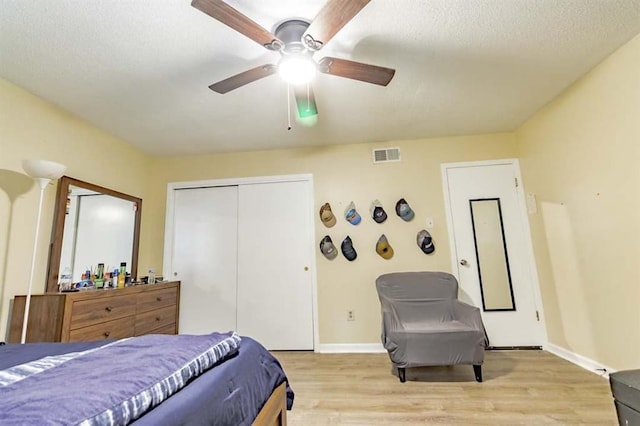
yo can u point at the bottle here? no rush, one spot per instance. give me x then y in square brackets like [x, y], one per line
[66, 279]
[152, 276]
[122, 274]
[100, 276]
[114, 278]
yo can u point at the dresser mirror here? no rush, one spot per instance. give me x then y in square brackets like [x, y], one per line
[92, 225]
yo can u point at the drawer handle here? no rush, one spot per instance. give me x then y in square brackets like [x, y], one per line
[158, 318]
[107, 333]
[108, 309]
[159, 299]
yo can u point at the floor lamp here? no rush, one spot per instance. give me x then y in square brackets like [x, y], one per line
[42, 172]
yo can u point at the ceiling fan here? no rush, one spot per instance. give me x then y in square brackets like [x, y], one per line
[297, 40]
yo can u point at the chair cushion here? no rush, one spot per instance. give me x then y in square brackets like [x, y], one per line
[438, 327]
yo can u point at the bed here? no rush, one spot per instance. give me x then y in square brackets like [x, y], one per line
[214, 379]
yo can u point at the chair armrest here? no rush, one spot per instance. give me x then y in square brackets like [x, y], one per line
[471, 316]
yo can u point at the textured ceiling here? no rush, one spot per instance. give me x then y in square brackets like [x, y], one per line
[139, 69]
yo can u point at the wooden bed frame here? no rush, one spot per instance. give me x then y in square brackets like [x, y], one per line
[274, 411]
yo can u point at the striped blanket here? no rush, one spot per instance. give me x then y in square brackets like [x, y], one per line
[113, 384]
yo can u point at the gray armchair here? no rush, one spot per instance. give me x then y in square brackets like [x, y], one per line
[424, 324]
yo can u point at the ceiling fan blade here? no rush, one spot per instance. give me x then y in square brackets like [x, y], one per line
[356, 70]
[229, 16]
[305, 100]
[331, 18]
[239, 80]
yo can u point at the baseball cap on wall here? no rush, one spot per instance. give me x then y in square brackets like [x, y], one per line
[327, 248]
[404, 210]
[348, 250]
[425, 242]
[351, 214]
[383, 248]
[377, 212]
[326, 215]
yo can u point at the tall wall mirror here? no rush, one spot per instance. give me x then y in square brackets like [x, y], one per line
[92, 225]
[494, 274]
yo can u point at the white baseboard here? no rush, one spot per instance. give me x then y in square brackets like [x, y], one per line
[346, 348]
[580, 360]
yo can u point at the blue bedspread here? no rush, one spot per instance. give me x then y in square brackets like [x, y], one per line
[112, 384]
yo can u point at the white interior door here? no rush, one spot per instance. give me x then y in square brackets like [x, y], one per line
[204, 257]
[275, 248]
[491, 252]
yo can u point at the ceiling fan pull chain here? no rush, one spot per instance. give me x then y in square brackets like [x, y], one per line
[289, 106]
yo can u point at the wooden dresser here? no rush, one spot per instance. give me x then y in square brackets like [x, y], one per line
[98, 314]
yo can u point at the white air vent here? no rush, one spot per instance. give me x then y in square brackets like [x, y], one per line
[386, 155]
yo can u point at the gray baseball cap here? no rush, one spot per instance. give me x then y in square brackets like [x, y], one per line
[327, 248]
[403, 210]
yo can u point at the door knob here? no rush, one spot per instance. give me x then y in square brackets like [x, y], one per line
[306, 268]
[464, 262]
[175, 274]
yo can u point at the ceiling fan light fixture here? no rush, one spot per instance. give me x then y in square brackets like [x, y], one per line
[297, 69]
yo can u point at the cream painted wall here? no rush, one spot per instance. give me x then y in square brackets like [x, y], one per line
[341, 174]
[33, 128]
[580, 155]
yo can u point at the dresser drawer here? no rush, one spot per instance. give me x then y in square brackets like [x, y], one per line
[149, 321]
[116, 329]
[92, 311]
[167, 329]
[150, 300]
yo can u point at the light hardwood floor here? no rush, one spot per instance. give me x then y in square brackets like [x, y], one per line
[519, 388]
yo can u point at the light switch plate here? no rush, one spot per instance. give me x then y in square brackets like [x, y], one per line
[532, 205]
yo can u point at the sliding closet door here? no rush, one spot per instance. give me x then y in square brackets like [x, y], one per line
[275, 247]
[204, 257]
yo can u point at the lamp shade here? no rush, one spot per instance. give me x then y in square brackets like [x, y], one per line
[297, 69]
[43, 169]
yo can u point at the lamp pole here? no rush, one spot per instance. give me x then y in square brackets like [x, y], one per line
[42, 172]
[43, 184]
